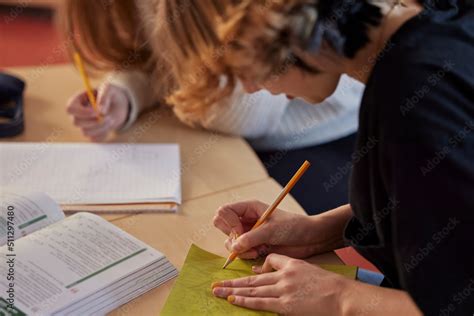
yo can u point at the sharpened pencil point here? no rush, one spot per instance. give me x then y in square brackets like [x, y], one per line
[228, 261]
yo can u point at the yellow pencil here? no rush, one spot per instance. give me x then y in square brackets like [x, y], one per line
[269, 211]
[87, 84]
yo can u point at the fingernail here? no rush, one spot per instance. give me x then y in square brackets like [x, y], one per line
[218, 291]
[231, 299]
[215, 284]
[254, 268]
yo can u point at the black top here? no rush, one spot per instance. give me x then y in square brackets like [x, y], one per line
[412, 186]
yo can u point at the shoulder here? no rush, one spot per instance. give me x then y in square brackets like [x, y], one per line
[423, 87]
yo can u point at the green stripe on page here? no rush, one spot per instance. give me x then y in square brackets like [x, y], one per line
[5, 309]
[105, 268]
[34, 220]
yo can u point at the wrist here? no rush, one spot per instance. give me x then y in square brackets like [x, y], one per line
[346, 292]
[327, 229]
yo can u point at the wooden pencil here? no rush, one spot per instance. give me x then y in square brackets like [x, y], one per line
[87, 84]
[269, 211]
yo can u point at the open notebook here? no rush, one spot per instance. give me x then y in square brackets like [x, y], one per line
[79, 265]
[96, 177]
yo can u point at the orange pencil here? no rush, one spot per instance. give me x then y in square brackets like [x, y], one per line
[269, 211]
[87, 84]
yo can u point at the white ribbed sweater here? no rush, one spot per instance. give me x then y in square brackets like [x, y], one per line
[268, 122]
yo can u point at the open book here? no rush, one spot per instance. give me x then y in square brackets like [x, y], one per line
[80, 265]
[96, 177]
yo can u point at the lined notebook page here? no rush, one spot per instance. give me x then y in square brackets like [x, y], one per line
[73, 173]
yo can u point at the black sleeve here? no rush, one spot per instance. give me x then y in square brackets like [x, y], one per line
[427, 164]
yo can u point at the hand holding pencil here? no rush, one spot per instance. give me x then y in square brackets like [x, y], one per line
[269, 211]
[283, 232]
[112, 105]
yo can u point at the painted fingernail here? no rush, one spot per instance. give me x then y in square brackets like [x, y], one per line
[215, 284]
[231, 299]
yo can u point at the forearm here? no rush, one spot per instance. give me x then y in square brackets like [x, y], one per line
[359, 298]
[327, 229]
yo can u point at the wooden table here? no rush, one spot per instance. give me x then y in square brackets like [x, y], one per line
[217, 169]
[195, 226]
[205, 156]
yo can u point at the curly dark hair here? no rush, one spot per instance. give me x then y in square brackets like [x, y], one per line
[344, 24]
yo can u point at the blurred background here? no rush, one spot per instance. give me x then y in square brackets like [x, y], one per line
[29, 34]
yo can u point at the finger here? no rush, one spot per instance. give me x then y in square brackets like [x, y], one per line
[234, 213]
[257, 269]
[97, 137]
[274, 262]
[231, 217]
[248, 209]
[100, 129]
[228, 221]
[251, 254]
[253, 238]
[271, 304]
[88, 123]
[104, 98]
[222, 225]
[79, 98]
[251, 281]
[77, 110]
[96, 131]
[259, 291]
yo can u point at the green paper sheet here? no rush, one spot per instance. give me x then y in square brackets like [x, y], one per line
[191, 294]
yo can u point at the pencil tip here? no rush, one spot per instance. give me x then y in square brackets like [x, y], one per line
[226, 263]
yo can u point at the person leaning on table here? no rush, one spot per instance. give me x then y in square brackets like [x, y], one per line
[411, 208]
[284, 132]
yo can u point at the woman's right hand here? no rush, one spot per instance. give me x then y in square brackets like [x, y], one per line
[293, 235]
[113, 103]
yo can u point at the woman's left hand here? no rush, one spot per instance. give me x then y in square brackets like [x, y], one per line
[286, 286]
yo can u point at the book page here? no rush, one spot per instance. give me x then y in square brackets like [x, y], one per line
[69, 261]
[22, 215]
[76, 173]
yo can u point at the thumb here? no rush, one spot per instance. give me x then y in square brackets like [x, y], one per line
[104, 98]
[252, 239]
[274, 262]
